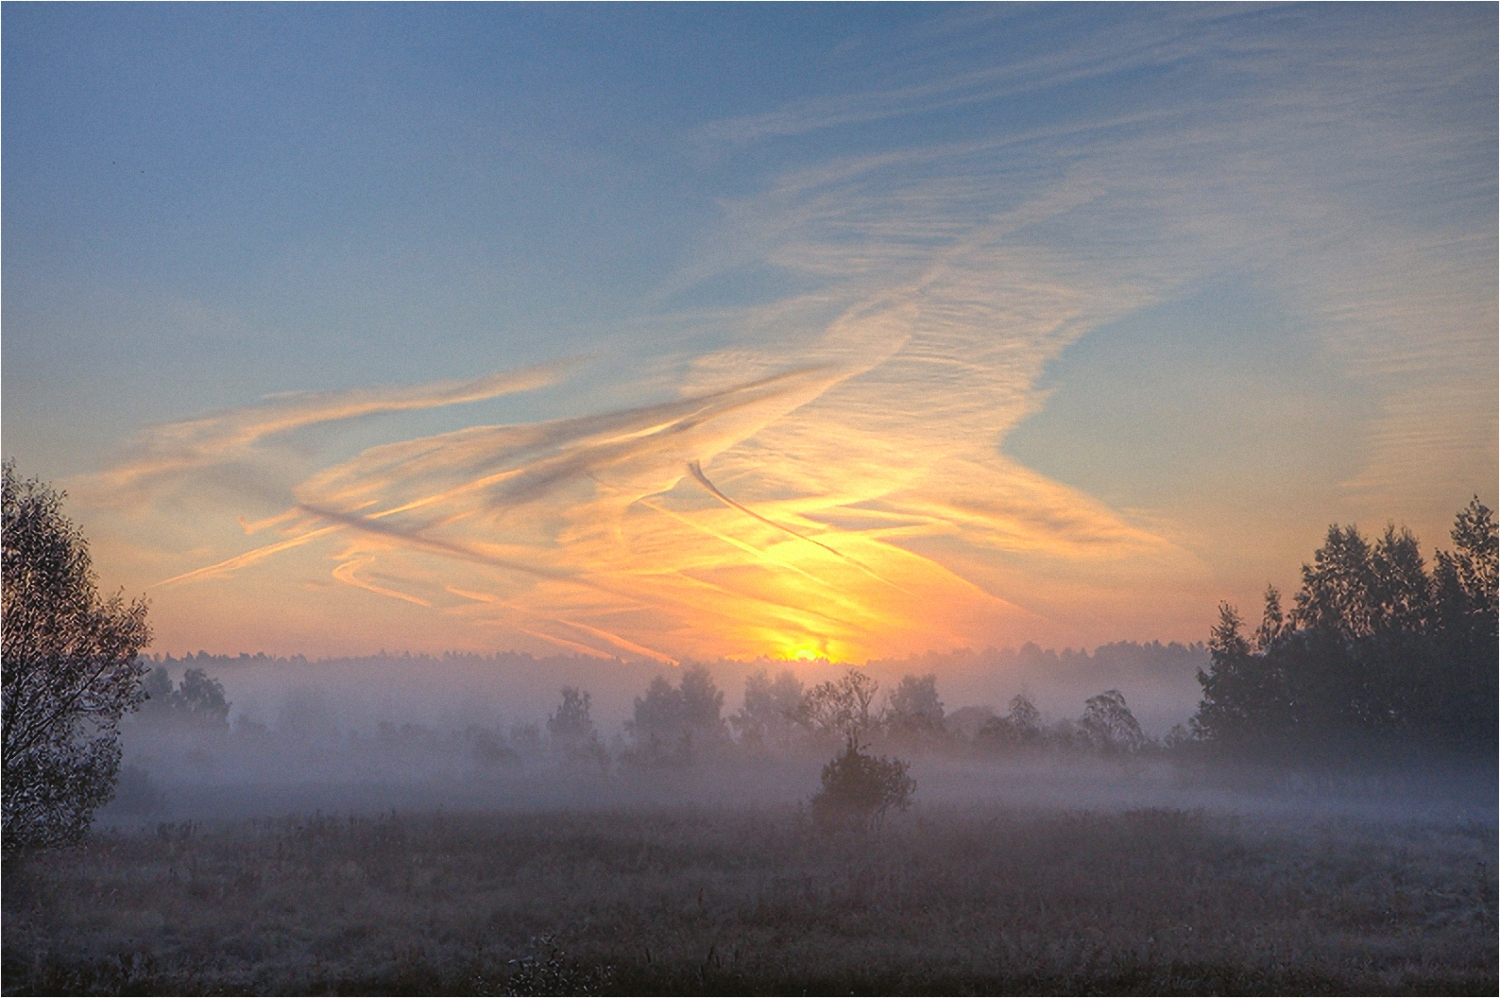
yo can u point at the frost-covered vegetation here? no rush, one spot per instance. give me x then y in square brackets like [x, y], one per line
[950, 900]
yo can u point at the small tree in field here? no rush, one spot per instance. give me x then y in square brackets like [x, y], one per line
[571, 729]
[197, 704]
[71, 669]
[916, 712]
[862, 788]
[840, 709]
[1109, 725]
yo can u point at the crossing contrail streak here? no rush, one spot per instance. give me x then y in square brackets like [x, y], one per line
[697, 472]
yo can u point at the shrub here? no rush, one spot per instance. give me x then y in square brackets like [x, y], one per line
[862, 788]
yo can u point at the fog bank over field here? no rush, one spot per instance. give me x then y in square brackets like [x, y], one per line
[226, 737]
[457, 690]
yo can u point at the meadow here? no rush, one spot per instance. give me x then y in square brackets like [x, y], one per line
[668, 899]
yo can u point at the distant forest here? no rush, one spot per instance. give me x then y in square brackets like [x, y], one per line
[1378, 656]
[461, 688]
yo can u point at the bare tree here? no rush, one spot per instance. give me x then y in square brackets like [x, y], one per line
[71, 669]
[841, 708]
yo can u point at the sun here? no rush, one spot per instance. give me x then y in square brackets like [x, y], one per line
[808, 648]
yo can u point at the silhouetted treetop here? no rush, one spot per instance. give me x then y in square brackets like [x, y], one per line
[1376, 653]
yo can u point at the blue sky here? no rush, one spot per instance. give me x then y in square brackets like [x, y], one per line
[1074, 319]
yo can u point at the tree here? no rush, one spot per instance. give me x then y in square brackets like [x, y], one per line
[1024, 717]
[668, 723]
[198, 703]
[1242, 696]
[842, 708]
[71, 670]
[200, 698]
[1465, 581]
[702, 704]
[1022, 726]
[766, 719]
[1464, 628]
[570, 726]
[1109, 726]
[862, 788]
[1377, 654]
[572, 732]
[916, 711]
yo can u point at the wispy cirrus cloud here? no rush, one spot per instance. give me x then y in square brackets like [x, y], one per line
[176, 448]
[821, 471]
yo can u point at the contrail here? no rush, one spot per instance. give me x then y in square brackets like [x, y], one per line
[615, 639]
[248, 558]
[697, 472]
[747, 548]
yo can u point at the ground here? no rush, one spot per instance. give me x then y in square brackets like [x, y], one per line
[944, 899]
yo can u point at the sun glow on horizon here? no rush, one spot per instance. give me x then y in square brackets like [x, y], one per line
[980, 331]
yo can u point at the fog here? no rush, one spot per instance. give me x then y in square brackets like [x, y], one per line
[466, 732]
[457, 690]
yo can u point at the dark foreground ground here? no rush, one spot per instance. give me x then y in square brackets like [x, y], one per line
[942, 900]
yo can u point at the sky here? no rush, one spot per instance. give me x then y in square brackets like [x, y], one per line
[676, 332]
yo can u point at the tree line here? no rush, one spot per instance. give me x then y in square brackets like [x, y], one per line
[1379, 655]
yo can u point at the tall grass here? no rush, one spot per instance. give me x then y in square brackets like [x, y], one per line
[951, 900]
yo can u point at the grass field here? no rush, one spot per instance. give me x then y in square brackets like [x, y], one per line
[941, 900]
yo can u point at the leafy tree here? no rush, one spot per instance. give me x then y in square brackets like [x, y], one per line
[1242, 697]
[1023, 715]
[486, 746]
[156, 690]
[71, 670]
[570, 725]
[1335, 594]
[658, 714]
[197, 703]
[571, 729]
[1466, 578]
[1109, 726]
[767, 718]
[1022, 726]
[861, 787]
[669, 723]
[1464, 630]
[915, 710]
[200, 699]
[1377, 652]
[702, 703]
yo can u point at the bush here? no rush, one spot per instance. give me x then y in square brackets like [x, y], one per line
[862, 788]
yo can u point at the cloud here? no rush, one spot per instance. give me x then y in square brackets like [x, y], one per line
[223, 437]
[821, 470]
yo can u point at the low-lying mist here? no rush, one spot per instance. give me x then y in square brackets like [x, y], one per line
[996, 823]
[230, 737]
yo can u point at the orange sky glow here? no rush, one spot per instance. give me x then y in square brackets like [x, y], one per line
[588, 330]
